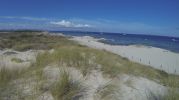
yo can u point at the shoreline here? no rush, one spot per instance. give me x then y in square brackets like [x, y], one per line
[137, 45]
[164, 42]
[158, 58]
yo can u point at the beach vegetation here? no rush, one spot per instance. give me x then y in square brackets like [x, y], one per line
[67, 88]
[107, 91]
[7, 75]
[86, 59]
[22, 41]
[171, 94]
[17, 60]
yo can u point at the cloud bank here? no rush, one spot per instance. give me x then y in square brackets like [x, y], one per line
[24, 18]
[64, 23]
[98, 25]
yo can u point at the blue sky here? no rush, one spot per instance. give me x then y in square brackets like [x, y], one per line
[158, 17]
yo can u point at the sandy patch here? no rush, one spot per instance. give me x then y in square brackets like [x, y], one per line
[26, 58]
[138, 88]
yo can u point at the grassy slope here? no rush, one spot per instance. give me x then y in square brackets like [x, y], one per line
[22, 41]
[70, 54]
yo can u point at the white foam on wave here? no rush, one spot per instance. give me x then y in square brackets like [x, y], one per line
[174, 40]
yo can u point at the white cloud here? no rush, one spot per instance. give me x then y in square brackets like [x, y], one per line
[82, 25]
[65, 23]
[24, 18]
[33, 18]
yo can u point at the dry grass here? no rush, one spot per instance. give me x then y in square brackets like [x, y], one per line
[17, 60]
[107, 91]
[22, 41]
[87, 59]
[7, 75]
[67, 89]
[173, 93]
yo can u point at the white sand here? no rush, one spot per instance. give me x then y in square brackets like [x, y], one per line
[27, 58]
[138, 88]
[155, 57]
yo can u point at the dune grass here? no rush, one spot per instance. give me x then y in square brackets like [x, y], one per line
[67, 89]
[86, 59]
[17, 60]
[171, 94]
[22, 41]
[107, 92]
[67, 56]
[7, 75]
[13, 83]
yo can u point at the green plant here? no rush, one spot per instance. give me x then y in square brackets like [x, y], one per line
[7, 75]
[67, 89]
[173, 92]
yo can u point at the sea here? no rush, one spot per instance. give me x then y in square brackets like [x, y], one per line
[164, 42]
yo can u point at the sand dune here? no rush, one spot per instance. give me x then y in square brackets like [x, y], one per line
[158, 58]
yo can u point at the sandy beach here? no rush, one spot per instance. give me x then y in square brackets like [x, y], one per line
[156, 57]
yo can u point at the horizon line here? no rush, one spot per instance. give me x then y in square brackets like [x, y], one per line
[43, 30]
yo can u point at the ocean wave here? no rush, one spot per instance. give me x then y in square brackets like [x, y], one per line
[174, 40]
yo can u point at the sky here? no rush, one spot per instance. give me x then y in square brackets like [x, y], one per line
[156, 17]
